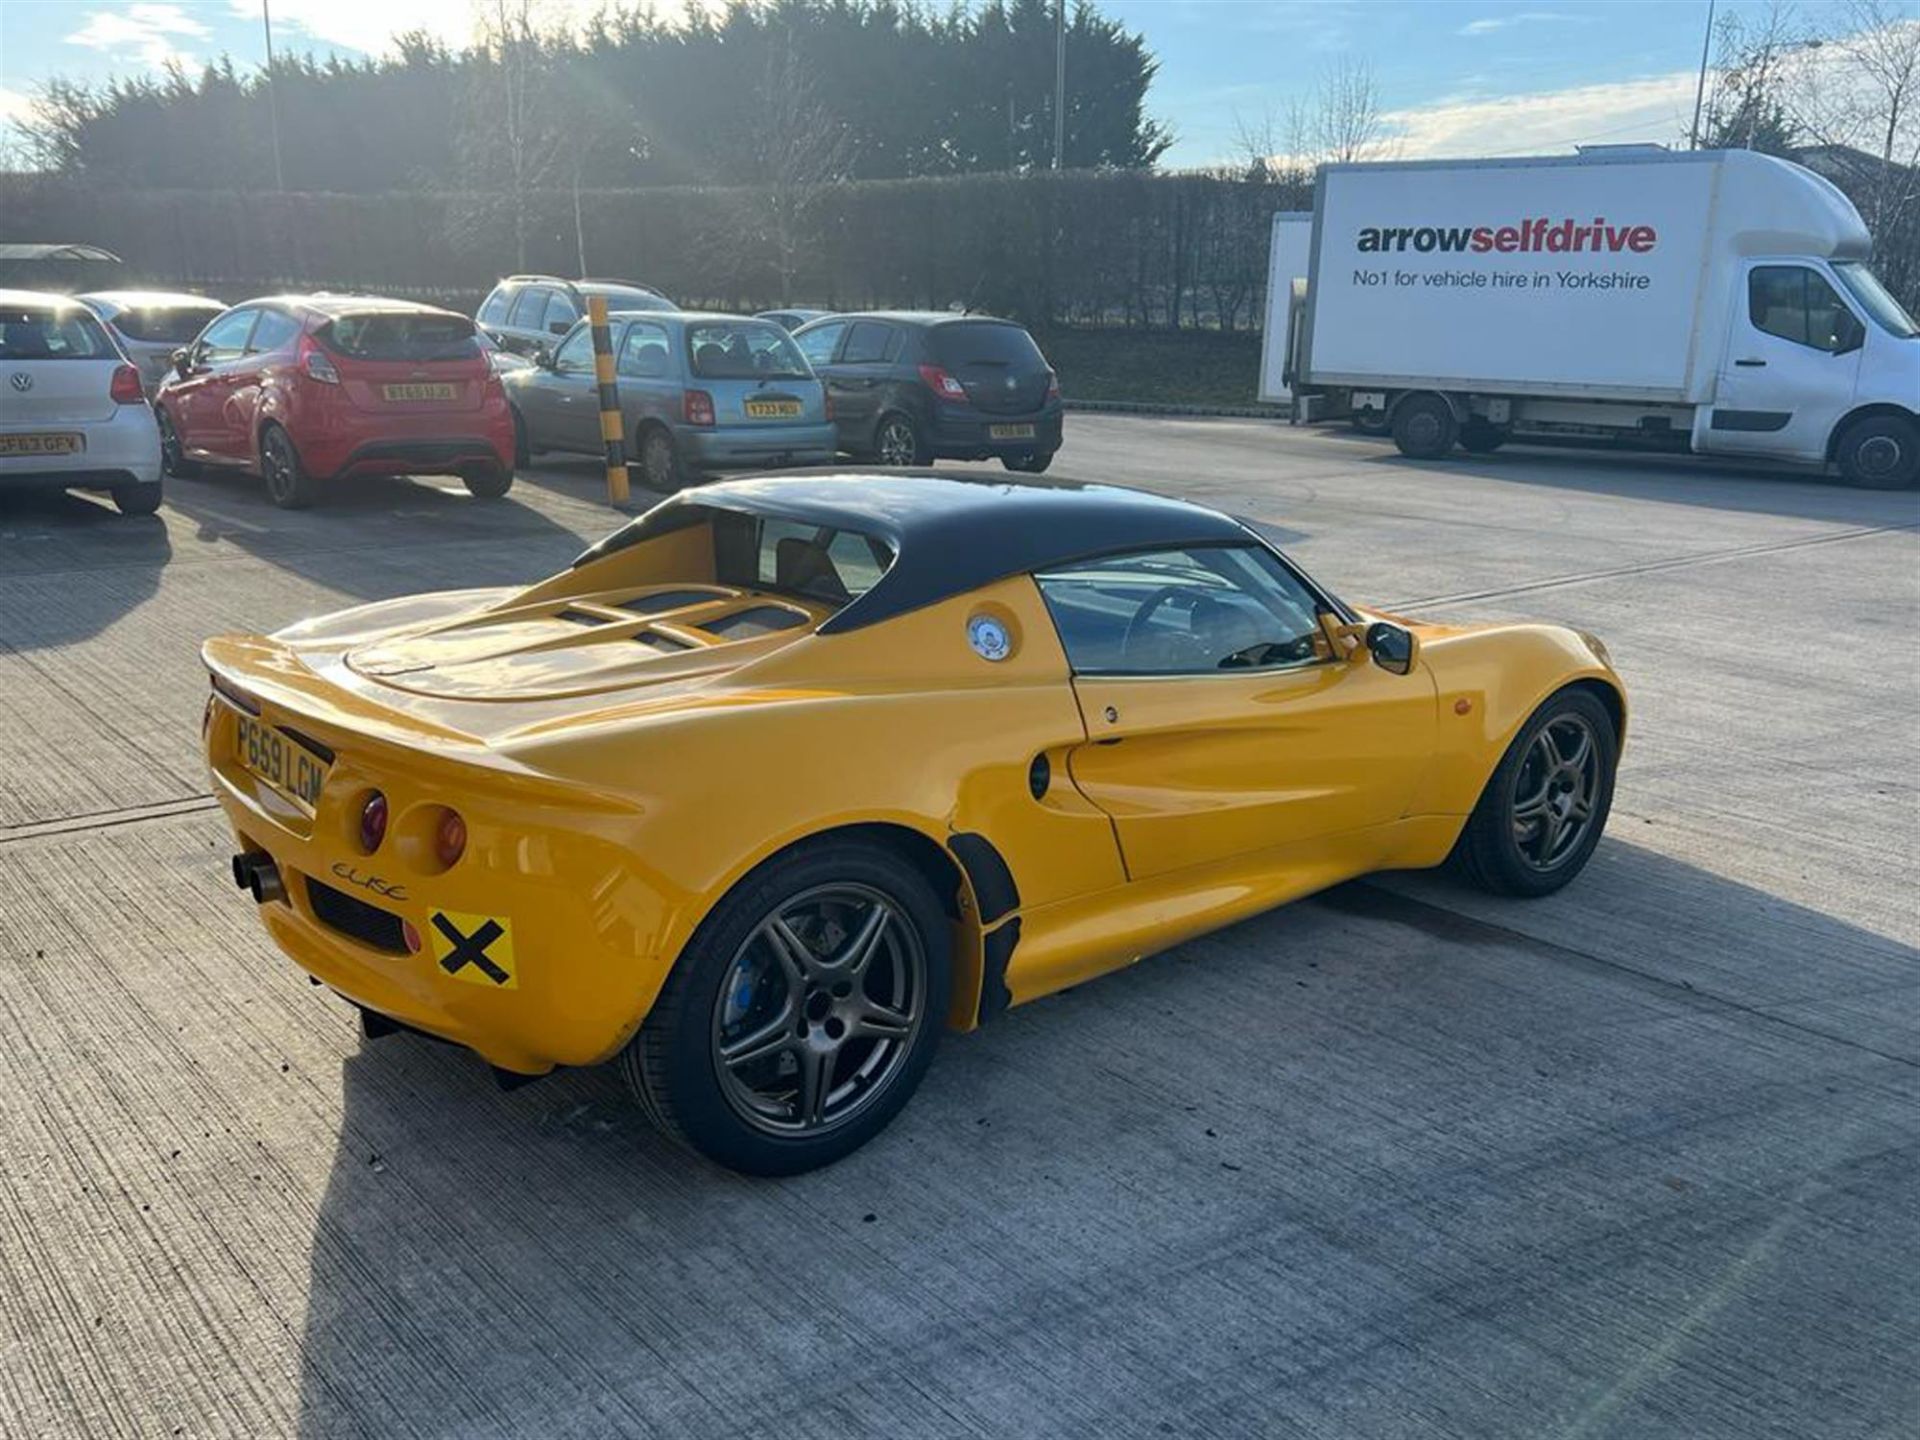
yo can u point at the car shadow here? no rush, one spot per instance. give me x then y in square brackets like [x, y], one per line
[1382, 1121]
[46, 537]
[1712, 482]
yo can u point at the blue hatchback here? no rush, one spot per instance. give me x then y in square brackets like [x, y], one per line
[697, 393]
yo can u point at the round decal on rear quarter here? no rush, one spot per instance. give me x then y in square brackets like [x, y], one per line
[989, 638]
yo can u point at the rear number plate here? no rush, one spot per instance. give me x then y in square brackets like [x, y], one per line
[418, 392]
[64, 443]
[1010, 432]
[773, 409]
[291, 769]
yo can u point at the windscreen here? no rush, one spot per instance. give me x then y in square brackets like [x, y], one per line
[1865, 287]
[956, 347]
[165, 324]
[402, 335]
[43, 333]
[744, 350]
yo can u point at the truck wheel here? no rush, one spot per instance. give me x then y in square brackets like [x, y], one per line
[1881, 452]
[1424, 427]
[1477, 437]
[1370, 422]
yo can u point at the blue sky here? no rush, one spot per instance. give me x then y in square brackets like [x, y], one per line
[1468, 78]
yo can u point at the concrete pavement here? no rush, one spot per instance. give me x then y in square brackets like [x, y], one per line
[1638, 1160]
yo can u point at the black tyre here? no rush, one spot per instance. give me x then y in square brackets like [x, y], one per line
[1370, 422]
[137, 499]
[1546, 805]
[1477, 437]
[487, 482]
[1424, 427]
[802, 1015]
[897, 441]
[1033, 463]
[288, 484]
[659, 457]
[173, 454]
[1880, 452]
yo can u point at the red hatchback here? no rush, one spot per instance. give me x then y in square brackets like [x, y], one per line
[302, 389]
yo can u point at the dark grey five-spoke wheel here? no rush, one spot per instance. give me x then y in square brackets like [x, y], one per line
[803, 1013]
[1546, 803]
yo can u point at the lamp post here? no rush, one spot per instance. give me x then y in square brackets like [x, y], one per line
[1059, 83]
[273, 100]
[1700, 86]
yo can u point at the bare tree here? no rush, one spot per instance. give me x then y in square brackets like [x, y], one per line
[1343, 122]
[1760, 80]
[513, 128]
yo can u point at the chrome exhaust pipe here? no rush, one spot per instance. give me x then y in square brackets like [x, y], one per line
[265, 883]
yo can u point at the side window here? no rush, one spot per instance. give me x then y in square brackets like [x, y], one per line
[869, 343]
[1796, 303]
[226, 338]
[817, 344]
[561, 311]
[575, 356]
[495, 309]
[643, 354]
[1168, 612]
[527, 307]
[276, 329]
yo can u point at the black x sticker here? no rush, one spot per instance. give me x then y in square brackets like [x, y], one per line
[475, 948]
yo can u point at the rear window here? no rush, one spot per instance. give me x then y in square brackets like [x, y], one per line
[623, 299]
[955, 346]
[39, 333]
[390, 336]
[744, 350]
[166, 324]
[815, 561]
[495, 310]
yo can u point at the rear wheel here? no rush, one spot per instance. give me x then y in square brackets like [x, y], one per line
[1881, 452]
[1478, 437]
[1033, 463]
[487, 482]
[1370, 422]
[659, 460]
[288, 484]
[173, 453]
[1546, 805]
[1424, 427]
[802, 1015]
[141, 499]
[897, 441]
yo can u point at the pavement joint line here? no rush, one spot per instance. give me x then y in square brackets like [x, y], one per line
[1644, 567]
[107, 819]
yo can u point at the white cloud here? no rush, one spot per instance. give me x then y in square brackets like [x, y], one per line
[1654, 107]
[144, 33]
[372, 26]
[15, 108]
[1491, 24]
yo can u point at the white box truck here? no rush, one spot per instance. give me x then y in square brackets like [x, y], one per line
[1717, 301]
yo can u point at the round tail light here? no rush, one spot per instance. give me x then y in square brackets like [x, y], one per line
[450, 840]
[373, 822]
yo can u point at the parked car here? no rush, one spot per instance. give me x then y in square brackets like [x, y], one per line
[792, 319]
[73, 415]
[790, 774]
[304, 389]
[151, 324]
[697, 393]
[909, 387]
[530, 313]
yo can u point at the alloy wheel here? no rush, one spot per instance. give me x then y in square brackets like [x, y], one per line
[1555, 792]
[172, 454]
[278, 464]
[656, 459]
[818, 1010]
[1879, 456]
[896, 443]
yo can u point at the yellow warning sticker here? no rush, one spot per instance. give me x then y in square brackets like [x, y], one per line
[474, 948]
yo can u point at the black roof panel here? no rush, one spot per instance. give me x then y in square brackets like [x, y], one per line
[950, 532]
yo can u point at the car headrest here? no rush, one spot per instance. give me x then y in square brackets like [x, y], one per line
[806, 568]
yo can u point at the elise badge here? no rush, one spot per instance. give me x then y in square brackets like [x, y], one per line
[989, 638]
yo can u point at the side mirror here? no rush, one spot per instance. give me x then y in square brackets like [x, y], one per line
[1393, 647]
[542, 356]
[182, 362]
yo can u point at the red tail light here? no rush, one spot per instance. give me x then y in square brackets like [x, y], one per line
[373, 822]
[450, 839]
[943, 385]
[1053, 386]
[315, 363]
[125, 388]
[696, 407]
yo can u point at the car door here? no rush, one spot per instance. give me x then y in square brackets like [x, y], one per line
[1791, 364]
[200, 400]
[820, 343]
[269, 347]
[647, 376]
[574, 393]
[859, 378]
[1220, 725]
[525, 328]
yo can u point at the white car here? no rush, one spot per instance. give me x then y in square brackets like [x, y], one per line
[151, 324]
[73, 414]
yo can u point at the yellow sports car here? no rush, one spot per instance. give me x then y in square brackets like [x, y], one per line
[788, 774]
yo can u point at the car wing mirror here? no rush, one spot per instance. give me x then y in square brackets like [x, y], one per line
[1394, 648]
[182, 359]
[542, 356]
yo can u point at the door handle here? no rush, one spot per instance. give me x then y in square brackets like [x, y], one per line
[1751, 364]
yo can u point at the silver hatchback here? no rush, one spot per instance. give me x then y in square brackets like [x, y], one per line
[697, 393]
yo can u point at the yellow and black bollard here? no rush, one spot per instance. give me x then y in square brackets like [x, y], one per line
[611, 426]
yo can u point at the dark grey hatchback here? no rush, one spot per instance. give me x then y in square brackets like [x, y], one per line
[910, 387]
